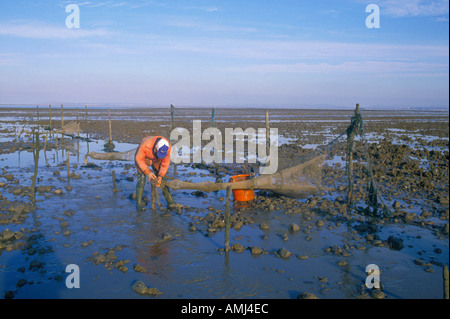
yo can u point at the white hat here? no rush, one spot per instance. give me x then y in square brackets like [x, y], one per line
[162, 147]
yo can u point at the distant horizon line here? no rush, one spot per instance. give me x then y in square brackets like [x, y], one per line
[280, 107]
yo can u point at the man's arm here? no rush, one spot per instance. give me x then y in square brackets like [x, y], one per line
[140, 161]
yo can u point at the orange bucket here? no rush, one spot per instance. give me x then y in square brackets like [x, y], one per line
[242, 195]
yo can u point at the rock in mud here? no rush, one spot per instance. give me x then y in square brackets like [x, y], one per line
[237, 248]
[21, 282]
[69, 212]
[139, 287]
[294, 228]
[256, 250]
[395, 243]
[377, 294]
[139, 268]
[7, 235]
[142, 289]
[166, 236]
[284, 253]
[307, 295]
[420, 262]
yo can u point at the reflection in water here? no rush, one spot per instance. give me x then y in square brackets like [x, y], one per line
[153, 243]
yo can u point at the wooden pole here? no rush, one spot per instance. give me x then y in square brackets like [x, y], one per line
[110, 131]
[62, 116]
[68, 165]
[213, 117]
[36, 163]
[114, 181]
[78, 133]
[154, 194]
[267, 133]
[45, 148]
[227, 220]
[50, 115]
[172, 112]
[350, 148]
[445, 271]
[86, 121]
[172, 126]
[350, 170]
[37, 111]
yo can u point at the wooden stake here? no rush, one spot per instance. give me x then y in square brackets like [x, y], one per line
[68, 165]
[50, 115]
[110, 131]
[213, 117]
[78, 133]
[62, 116]
[227, 220]
[154, 194]
[45, 148]
[114, 181]
[36, 163]
[86, 121]
[445, 273]
[350, 148]
[267, 133]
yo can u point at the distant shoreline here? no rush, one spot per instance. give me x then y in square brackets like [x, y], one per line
[306, 108]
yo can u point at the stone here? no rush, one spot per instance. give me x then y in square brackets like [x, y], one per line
[256, 250]
[284, 253]
[395, 243]
[307, 295]
[139, 287]
[237, 248]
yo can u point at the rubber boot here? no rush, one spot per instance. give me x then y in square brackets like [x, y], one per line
[167, 195]
[140, 191]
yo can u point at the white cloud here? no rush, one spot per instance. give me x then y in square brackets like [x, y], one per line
[414, 8]
[37, 30]
[303, 50]
[367, 68]
[11, 59]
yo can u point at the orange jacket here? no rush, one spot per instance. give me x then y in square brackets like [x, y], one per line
[144, 157]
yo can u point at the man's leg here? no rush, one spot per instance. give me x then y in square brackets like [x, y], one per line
[165, 189]
[167, 195]
[140, 190]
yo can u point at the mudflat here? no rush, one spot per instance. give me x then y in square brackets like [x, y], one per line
[281, 247]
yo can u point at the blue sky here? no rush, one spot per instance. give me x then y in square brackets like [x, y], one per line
[285, 53]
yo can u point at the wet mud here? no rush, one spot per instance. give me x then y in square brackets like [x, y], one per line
[281, 247]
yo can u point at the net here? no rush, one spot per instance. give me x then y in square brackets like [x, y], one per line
[71, 128]
[299, 181]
